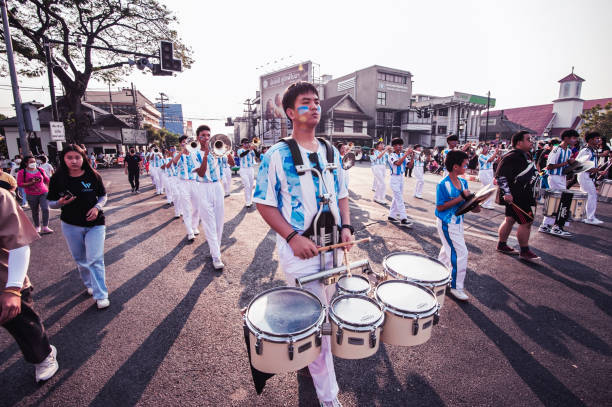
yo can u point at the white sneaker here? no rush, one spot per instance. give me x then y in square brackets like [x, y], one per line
[557, 231]
[597, 220]
[593, 221]
[459, 294]
[333, 403]
[196, 232]
[418, 196]
[38, 229]
[488, 206]
[89, 291]
[48, 367]
[190, 237]
[544, 229]
[103, 303]
[218, 264]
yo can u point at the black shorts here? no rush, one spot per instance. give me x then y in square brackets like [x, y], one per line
[522, 218]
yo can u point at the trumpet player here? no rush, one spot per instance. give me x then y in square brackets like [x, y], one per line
[247, 169]
[379, 160]
[419, 171]
[397, 163]
[186, 188]
[157, 159]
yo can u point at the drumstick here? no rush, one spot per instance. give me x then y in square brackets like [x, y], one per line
[346, 262]
[338, 245]
[519, 208]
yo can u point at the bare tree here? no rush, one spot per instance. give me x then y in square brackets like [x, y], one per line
[135, 25]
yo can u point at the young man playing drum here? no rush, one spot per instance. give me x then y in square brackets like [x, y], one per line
[585, 178]
[397, 163]
[514, 175]
[379, 161]
[288, 201]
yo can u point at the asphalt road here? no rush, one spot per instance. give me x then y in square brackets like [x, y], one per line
[532, 334]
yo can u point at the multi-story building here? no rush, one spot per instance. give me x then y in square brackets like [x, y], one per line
[171, 117]
[132, 107]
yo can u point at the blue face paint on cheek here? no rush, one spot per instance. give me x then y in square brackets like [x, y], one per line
[302, 110]
[319, 109]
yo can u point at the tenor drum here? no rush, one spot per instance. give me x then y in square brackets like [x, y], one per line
[420, 269]
[605, 192]
[356, 323]
[355, 284]
[410, 312]
[284, 329]
[552, 201]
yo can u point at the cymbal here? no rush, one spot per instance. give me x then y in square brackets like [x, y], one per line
[479, 197]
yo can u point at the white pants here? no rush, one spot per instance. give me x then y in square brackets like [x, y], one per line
[398, 209]
[227, 180]
[418, 187]
[486, 178]
[189, 205]
[587, 185]
[172, 195]
[248, 181]
[322, 369]
[156, 177]
[209, 196]
[373, 177]
[556, 183]
[453, 253]
[379, 182]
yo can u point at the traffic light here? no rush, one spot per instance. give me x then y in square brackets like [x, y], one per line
[157, 71]
[166, 57]
[229, 122]
[419, 113]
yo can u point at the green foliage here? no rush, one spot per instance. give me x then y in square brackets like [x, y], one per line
[598, 119]
[163, 137]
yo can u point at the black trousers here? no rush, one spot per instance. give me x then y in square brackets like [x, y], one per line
[28, 331]
[134, 178]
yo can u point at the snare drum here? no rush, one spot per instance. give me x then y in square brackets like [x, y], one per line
[356, 323]
[552, 201]
[410, 312]
[284, 329]
[358, 285]
[420, 269]
[605, 192]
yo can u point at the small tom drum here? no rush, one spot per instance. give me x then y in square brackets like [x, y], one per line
[356, 323]
[284, 329]
[420, 269]
[552, 202]
[358, 285]
[410, 310]
[605, 191]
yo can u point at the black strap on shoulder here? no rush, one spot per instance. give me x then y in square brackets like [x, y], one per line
[329, 149]
[297, 156]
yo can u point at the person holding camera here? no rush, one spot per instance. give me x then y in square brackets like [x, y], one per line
[78, 190]
[35, 183]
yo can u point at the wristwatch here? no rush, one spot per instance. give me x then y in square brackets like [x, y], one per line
[349, 227]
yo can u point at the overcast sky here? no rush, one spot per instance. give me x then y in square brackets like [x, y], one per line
[516, 49]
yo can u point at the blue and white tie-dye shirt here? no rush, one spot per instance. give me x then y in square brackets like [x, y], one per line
[483, 161]
[186, 165]
[248, 160]
[295, 196]
[418, 163]
[557, 156]
[378, 161]
[212, 167]
[157, 160]
[397, 169]
[445, 192]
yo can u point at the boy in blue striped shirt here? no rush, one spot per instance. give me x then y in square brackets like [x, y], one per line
[451, 193]
[397, 163]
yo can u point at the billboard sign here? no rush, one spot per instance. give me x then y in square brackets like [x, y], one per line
[133, 136]
[272, 86]
[57, 131]
[479, 100]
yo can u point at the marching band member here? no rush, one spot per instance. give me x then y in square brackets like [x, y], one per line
[209, 195]
[514, 175]
[247, 169]
[485, 170]
[225, 164]
[170, 181]
[157, 159]
[451, 193]
[452, 141]
[585, 178]
[378, 158]
[419, 172]
[558, 159]
[397, 163]
[288, 202]
[186, 189]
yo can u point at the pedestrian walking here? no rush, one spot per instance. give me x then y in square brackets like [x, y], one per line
[35, 182]
[133, 164]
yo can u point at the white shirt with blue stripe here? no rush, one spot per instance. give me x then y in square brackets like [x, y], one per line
[157, 160]
[378, 161]
[186, 165]
[247, 161]
[557, 156]
[445, 192]
[297, 196]
[417, 160]
[223, 165]
[588, 154]
[396, 169]
[212, 167]
[484, 163]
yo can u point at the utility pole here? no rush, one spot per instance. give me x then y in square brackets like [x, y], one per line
[110, 98]
[15, 85]
[487, 123]
[161, 99]
[250, 122]
[135, 104]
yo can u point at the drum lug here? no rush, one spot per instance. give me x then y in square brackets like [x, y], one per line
[436, 318]
[318, 338]
[291, 350]
[339, 335]
[415, 327]
[259, 346]
[373, 338]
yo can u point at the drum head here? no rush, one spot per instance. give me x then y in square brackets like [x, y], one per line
[284, 311]
[356, 310]
[416, 267]
[354, 284]
[406, 297]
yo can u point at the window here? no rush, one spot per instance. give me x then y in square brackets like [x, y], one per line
[380, 117]
[381, 98]
[387, 77]
[443, 112]
[339, 126]
[578, 86]
[441, 129]
[357, 126]
[566, 89]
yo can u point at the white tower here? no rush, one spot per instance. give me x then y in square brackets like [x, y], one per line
[569, 105]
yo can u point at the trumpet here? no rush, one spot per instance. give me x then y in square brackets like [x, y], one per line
[220, 145]
[192, 145]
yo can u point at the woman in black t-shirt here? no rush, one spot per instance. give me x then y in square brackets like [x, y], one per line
[78, 190]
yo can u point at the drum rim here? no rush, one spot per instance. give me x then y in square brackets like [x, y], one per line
[398, 276]
[285, 338]
[351, 326]
[558, 192]
[347, 291]
[402, 313]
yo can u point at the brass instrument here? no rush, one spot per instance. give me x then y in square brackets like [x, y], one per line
[192, 146]
[220, 145]
[256, 141]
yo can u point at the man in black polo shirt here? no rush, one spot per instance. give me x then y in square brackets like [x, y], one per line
[132, 169]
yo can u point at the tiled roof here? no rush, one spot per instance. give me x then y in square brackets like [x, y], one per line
[532, 117]
[571, 77]
[588, 104]
[96, 136]
[328, 103]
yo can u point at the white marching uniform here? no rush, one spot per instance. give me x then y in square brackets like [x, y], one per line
[485, 174]
[247, 174]
[556, 180]
[398, 208]
[226, 174]
[379, 166]
[187, 192]
[170, 183]
[586, 182]
[209, 198]
[419, 172]
[156, 161]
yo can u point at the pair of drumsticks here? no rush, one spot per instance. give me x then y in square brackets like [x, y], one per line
[339, 245]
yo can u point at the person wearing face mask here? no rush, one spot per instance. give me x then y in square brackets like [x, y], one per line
[133, 164]
[13, 173]
[35, 182]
